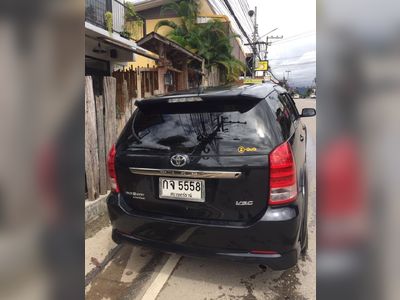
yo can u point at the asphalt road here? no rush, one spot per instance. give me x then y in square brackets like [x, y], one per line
[129, 272]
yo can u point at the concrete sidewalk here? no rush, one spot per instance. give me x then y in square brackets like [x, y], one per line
[99, 247]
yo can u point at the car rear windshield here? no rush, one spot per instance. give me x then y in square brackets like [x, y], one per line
[205, 128]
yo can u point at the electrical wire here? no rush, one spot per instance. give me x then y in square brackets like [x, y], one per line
[283, 41]
[244, 9]
[284, 58]
[229, 7]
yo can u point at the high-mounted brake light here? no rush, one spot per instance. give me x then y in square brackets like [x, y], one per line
[185, 100]
[282, 175]
[111, 169]
[263, 252]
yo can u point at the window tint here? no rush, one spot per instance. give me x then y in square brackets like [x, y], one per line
[281, 112]
[292, 104]
[288, 106]
[204, 129]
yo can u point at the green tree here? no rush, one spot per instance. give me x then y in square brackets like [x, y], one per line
[208, 40]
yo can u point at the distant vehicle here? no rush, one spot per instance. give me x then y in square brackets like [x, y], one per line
[222, 173]
[313, 96]
[296, 96]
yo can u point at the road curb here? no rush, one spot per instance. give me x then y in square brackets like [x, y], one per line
[95, 208]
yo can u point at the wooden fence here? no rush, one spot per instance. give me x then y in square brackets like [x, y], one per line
[100, 134]
[107, 114]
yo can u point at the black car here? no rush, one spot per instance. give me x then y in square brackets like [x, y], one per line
[216, 173]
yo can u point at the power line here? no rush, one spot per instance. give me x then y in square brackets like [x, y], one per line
[244, 10]
[293, 39]
[239, 4]
[284, 58]
[296, 64]
[310, 32]
[228, 5]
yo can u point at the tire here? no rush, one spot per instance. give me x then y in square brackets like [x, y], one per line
[304, 242]
[304, 227]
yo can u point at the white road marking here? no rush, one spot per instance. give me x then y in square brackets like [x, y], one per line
[138, 259]
[162, 277]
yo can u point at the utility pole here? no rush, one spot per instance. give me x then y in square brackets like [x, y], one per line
[288, 71]
[268, 43]
[255, 37]
[286, 82]
[256, 43]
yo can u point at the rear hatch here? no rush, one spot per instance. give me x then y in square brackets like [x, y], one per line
[197, 158]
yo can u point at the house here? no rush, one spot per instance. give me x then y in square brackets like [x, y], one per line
[177, 67]
[150, 12]
[106, 46]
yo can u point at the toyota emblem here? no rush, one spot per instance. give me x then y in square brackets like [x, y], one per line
[179, 160]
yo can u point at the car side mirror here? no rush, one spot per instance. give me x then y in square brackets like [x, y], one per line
[308, 112]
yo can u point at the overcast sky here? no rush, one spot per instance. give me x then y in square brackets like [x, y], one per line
[296, 20]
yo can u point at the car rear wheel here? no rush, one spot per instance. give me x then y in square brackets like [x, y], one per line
[304, 227]
[304, 241]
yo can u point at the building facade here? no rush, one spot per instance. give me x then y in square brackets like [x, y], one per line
[150, 11]
[106, 45]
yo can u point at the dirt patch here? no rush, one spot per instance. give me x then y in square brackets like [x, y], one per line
[286, 285]
[107, 284]
[96, 225]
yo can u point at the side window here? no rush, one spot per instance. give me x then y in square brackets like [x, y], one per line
[281, 112]
[288, 106]
[293, 105]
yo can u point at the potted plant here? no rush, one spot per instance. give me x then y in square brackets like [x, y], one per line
[108, 20]
[125, 34]
[133, 22]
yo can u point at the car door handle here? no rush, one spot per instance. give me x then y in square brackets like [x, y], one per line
[301, 137]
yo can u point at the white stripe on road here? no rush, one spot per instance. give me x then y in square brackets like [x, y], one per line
[138, 259]
[162, 277]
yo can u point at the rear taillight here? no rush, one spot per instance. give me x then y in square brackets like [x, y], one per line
[111, 170]
[282, 175]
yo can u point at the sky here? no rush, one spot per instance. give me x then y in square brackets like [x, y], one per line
[296, 21]
[296, 52]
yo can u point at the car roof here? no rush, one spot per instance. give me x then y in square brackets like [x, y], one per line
[258, 91]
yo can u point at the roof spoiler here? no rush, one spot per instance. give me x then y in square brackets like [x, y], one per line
[190, 102]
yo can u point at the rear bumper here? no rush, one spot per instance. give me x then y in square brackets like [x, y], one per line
[276, 231]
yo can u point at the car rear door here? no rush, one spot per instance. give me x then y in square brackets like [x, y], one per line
[224, 144]
[298, 133]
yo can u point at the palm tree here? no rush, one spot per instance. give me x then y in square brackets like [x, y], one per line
[187, 11]
[213, 44]
[208, 40]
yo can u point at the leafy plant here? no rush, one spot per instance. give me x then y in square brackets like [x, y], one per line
[209, 40]
[130, 13]
[133, 22]
[108, 20]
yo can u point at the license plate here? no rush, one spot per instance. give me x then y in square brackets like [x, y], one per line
[182, 189]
